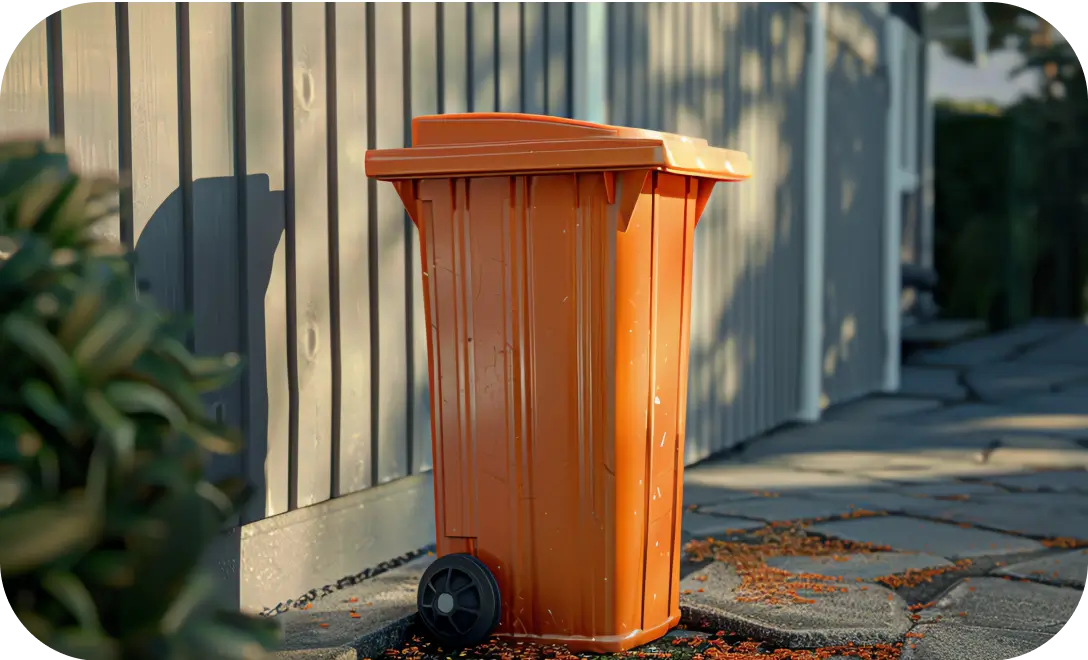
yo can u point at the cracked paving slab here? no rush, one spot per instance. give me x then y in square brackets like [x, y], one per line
[1067, 569]
[785, 508]
[1059, 481]
[863, 566]
[1008, 380]
[1005, 604]
[971, 643]
[702, 526]
[1005, 514]
[874, 615]
[912, 535]
[939, 383]
[883, 407]
[996, 347]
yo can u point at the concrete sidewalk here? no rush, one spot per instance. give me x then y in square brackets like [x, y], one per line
[946, 522]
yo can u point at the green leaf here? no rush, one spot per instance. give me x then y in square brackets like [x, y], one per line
[123, 350]
[84, 644]
[40, 194]
[216, 438]
[109, 328]
[70, 592]
[29, 260]
[19, 440]
[40, 398]
[223, 505]
[84, 310]
[111, 568]
[237, 490]
[43, 349]
[33, 537]
[158, 371]
[120, 430]
[197, 592]
[141, 398]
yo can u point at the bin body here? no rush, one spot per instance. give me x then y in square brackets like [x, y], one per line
[557, 307]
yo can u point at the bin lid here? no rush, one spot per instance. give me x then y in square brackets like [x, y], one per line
[483, 144]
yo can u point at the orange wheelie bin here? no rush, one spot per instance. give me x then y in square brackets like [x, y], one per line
[556, 260]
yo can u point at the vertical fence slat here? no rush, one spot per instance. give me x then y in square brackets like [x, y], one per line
[509, 52]
[156, 196]
[89, 35]
[24, 92]
[455, 57]
[618, 63]
[353, 111]
[266, 267]
[559, 58]
[535, 47]
[391, 419]
[640, 88]
[482, 60]
[214, 264]
[426, 91]
[312, 322]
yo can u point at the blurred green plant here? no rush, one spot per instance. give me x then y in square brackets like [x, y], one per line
[986, 243]
[104, 510]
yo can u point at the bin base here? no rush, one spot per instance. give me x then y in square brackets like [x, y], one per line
[609, 644]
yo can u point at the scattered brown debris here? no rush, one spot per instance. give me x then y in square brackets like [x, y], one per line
[721, 646]
[1064, 543]
[762, 583]
[915, 577]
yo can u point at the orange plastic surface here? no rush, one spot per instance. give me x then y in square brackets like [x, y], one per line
[503, 143]
[557, 311]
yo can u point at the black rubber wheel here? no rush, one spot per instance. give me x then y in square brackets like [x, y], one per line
[458, 601]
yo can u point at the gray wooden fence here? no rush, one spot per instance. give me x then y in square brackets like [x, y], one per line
[242, 130]
[733, 73]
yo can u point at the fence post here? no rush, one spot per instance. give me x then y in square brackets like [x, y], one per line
[893, 204]
[815, 188]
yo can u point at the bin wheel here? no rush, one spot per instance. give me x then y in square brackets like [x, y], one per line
[458, 600]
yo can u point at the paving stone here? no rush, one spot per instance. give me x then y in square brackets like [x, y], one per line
[995, 347]
[937, 383]
[961, 642]
[698, 495]
[882, 407]
[881, 436]
[1005, 515]
[1076, 503]
[1055, 481]
[948, 489]
[873, 616]
[919, 473]
[1067, 569]
[741, 477]
[783, 508]
[864, 566]
[1051, 414]
[910, 535]
[878, 501]
[1007, 380]
[1008, 604]
[703, 526]
[1040, 451]
[383, 624]
[1069, 348]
